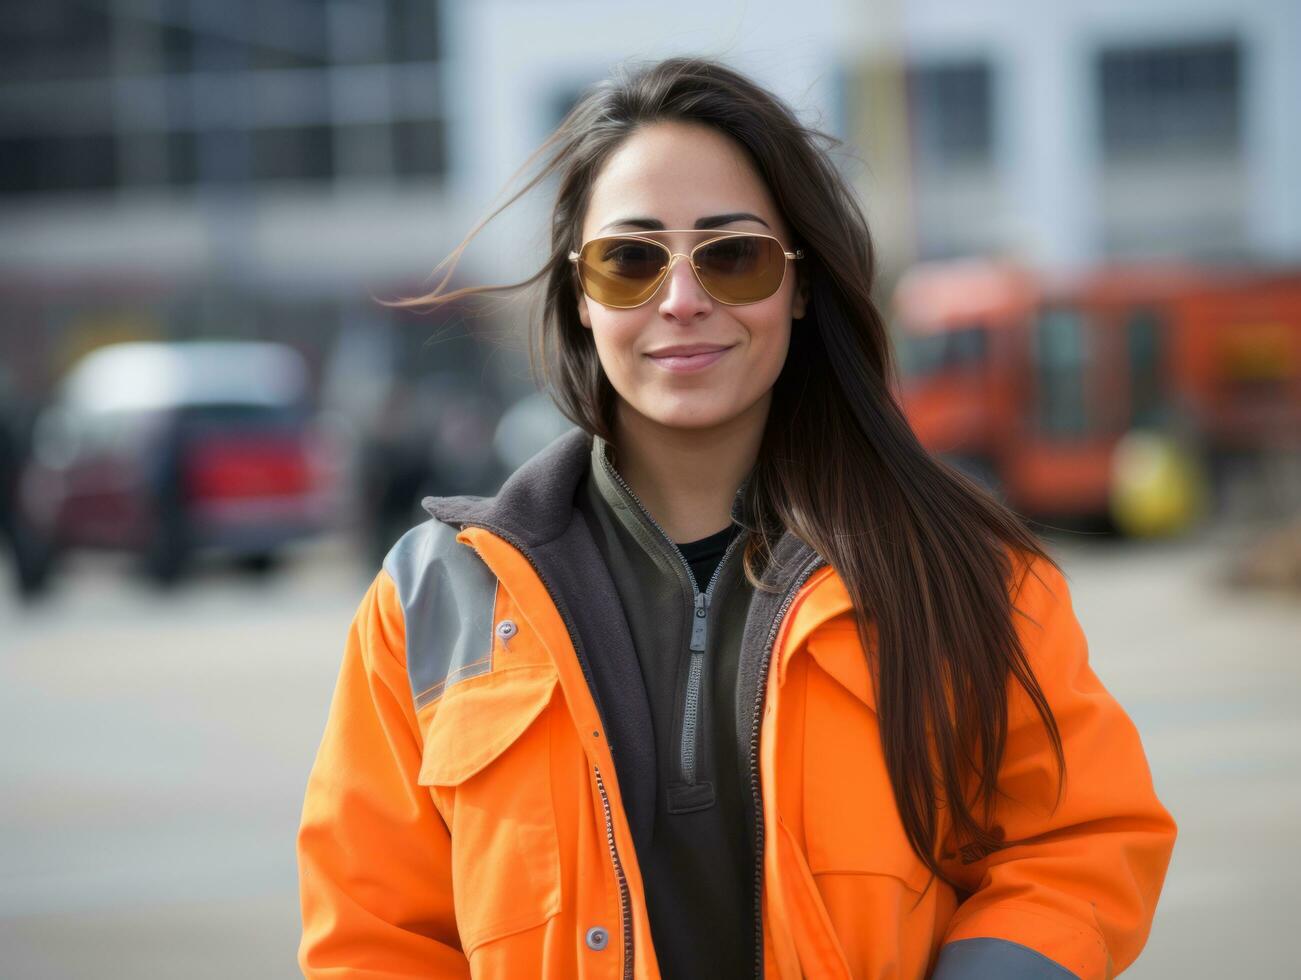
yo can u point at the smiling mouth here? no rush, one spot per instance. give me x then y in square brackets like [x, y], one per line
[688, 358]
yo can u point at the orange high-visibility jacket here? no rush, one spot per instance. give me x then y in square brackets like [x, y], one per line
[463, 818]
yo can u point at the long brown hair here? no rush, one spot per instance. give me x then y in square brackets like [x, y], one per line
[926, 555]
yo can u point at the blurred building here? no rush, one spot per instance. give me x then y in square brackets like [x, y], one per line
[1062, 133]
[1076, 131]
[182, 167]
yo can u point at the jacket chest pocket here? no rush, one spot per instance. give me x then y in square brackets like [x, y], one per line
[487, 761]
[851, 822]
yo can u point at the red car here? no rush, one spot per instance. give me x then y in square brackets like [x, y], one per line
[170, 449]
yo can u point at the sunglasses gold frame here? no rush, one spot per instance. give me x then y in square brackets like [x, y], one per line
[576, 258]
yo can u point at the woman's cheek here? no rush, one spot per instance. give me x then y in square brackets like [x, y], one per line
[770, 340]
[615, 347]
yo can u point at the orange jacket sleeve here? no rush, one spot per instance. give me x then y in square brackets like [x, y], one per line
[374, 855]
[1079, 882]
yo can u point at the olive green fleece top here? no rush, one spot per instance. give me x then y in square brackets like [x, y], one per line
[698, 866]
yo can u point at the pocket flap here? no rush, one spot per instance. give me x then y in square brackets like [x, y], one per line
[837, 650]
[477, 720]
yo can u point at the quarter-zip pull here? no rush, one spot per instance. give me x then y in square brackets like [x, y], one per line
[700, 622]
[697, 795]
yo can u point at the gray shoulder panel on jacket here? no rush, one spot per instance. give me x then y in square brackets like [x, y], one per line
[996, 959]
[447, 595]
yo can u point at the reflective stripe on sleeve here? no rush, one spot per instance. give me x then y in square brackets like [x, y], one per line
[447, 595]
[985, 959]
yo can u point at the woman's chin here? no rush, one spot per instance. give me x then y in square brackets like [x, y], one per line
[684, 415]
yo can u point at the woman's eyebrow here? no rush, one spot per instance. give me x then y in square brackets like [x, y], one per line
[647, 224]
[713, 221]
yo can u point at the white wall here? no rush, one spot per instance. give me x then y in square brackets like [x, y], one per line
[1048, 112]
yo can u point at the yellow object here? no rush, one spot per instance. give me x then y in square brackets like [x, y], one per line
[1157, 485]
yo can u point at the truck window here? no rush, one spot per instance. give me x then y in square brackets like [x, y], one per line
[1060, 356]
[1144, 347]
[957, 349]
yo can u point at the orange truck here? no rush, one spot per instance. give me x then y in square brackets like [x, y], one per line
[1123, 392]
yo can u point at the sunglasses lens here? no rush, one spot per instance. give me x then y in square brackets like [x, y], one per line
[624, 272]
[741, 269]
[621, 272]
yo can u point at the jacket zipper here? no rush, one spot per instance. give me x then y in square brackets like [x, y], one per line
[625, 901]
[699, 634]
[756, 792]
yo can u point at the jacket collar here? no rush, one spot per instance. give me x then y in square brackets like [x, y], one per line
[535, 505]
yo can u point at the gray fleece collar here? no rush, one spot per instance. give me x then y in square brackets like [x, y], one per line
[536, 505]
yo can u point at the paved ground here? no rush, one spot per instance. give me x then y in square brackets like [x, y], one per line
[153, 756]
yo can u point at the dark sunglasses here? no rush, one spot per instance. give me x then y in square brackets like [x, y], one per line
[734, 267]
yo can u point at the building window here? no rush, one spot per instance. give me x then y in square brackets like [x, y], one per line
[419, 148]
[289, 36]
[182, 157]
[72, 162]
[413, 33]
[53, 40]
[952, 115]
[176, 44]
[1158, 100]
[241, 96]
[293, 153]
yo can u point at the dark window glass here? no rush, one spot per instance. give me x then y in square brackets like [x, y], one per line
[1143, 339]
[182, 157]
[142, 158]
[35, 164]
[209, 51]
[177, 47]
[418, 148]
[223, 156]
[1061, 361]
[297, 153]
[952, 113]
[959, 349]
[413, 30]
[1171, 98]
[51, 39]
[290, 35]
[20, 164]
[357, 33]
[363, 150]
[269, 35]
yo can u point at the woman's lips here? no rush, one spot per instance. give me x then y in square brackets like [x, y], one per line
[685, 363]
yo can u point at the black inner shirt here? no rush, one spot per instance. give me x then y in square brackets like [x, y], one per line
[704, 555]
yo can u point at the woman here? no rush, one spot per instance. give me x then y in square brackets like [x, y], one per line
[734, 679]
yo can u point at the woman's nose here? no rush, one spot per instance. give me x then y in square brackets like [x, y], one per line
[682, 297]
